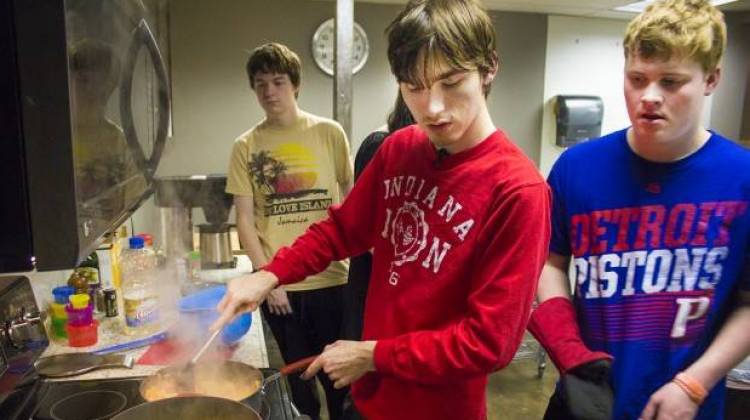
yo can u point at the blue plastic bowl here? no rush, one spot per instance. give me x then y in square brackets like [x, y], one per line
[201, 307]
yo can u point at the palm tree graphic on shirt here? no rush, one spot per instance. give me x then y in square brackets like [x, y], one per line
[266, 170]
[277, 180]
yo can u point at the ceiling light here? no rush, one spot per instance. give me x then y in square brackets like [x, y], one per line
[639, 6]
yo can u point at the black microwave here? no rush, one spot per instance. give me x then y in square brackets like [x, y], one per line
[85, 117]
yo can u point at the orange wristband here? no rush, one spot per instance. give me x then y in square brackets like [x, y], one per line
[692, 388]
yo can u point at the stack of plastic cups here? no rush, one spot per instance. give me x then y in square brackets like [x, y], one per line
[82, 327]
[57, 308]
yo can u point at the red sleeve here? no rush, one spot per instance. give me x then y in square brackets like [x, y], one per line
[512, 249]
[347, 231]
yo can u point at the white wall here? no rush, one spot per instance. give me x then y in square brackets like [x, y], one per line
[729, 98]
[213, 103]
[584, 57]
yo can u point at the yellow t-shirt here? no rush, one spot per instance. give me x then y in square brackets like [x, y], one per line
[293, 175]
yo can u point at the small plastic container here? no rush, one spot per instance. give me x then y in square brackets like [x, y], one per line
[200, 310]
[80, 301]
[80, 317]
[80, 311]
[58, 314]
[62, 294]
[58, 311]
[82, 336]
[59, 327]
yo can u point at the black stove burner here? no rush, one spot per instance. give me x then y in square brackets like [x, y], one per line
[86, 400]
[89, 405]
[101, 399]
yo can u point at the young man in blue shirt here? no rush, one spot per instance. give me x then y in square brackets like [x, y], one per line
[655, 219]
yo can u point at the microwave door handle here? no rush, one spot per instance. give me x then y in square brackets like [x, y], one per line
[163, 95]
[142, 36]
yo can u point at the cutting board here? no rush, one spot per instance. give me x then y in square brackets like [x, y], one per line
[172, 351]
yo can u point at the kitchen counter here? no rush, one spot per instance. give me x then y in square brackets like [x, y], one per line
[251, 349]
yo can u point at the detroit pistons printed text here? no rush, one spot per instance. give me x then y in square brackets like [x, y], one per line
[680, 250]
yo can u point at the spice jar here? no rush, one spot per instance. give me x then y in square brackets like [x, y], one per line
[79, 283]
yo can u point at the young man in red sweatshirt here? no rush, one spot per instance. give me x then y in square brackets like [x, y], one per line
[458, 220]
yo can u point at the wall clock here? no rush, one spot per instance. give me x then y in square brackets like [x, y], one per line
[323, 42]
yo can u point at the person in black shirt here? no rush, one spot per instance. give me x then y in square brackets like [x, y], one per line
[361, 265]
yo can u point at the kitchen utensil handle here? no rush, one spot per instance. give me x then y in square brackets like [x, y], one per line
[210, 340]
[131, 344]
[296, 413]
[293, 367]
[117, 360]
[297, 366]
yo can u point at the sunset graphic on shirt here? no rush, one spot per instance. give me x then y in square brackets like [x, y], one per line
[288, 170]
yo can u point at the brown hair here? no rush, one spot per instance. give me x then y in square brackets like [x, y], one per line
[400, 115]
[457, 31]
[99, 57]
[274, 58]
[692, 29]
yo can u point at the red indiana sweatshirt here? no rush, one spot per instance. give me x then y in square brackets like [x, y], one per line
[458, 245]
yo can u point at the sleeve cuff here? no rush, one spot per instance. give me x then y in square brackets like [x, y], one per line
[280, 270]
[382, 356]
[238, 191]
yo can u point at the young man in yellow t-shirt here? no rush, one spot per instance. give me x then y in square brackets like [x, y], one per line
[284, 173]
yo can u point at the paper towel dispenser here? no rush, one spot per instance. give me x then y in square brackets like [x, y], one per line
[579, 118]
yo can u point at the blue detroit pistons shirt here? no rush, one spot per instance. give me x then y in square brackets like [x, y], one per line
[658, 253]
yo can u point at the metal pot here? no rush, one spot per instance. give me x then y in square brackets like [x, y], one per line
[216, 246]
[229, 379]
[190, 408]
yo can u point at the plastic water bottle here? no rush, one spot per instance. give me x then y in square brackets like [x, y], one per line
[139, 294]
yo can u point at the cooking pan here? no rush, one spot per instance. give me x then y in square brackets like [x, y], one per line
[190, 408]
[227, 379]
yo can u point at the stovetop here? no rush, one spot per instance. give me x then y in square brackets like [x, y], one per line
[104, 398]
[100, 399]
[24, 396]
